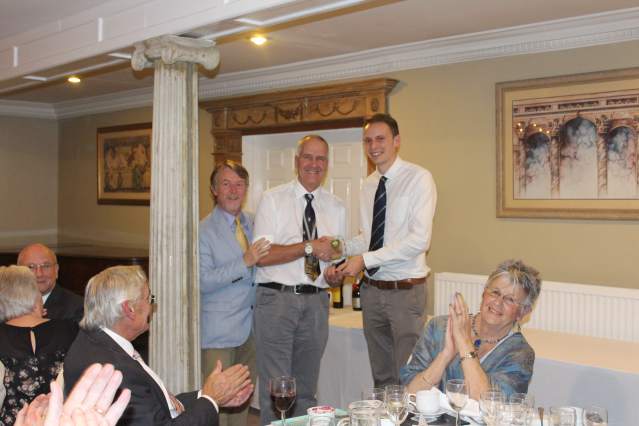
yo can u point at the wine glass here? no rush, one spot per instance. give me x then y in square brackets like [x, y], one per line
[283, 394]
[457, 394]
[396, 401]
[595, 416]
[490, 403]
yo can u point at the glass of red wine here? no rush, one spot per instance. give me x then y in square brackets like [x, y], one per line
[283, 394]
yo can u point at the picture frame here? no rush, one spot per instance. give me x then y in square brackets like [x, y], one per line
[124, 164]
[567, 146]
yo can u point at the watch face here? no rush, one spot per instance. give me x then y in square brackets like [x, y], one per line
[308, 248]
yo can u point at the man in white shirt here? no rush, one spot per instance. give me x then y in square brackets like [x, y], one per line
[396, 215]
[118, 306]
[291, 310]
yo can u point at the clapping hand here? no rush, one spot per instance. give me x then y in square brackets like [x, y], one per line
[230, 387]
[90, 403]
[459, 322]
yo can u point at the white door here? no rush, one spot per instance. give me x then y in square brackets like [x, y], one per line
[270, 161]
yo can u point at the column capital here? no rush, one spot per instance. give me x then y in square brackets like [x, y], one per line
[171, 49]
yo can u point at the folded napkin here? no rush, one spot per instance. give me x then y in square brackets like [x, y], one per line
[471, 409]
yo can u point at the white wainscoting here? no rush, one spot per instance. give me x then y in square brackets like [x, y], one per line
[580, 309]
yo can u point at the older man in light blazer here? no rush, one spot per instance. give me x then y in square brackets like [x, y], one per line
[227, 272]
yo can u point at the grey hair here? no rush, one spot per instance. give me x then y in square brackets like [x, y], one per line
[106, 292]
[519, 274]
[18, 292]
[302, 142]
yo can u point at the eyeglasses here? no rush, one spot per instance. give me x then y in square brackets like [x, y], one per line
[44, 267]
[508, 299]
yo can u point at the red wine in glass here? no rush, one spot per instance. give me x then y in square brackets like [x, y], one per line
[283, 394]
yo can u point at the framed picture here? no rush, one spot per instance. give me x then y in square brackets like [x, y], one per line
[567, 146]
[124, 164]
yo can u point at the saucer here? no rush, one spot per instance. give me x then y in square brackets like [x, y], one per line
[427, 416]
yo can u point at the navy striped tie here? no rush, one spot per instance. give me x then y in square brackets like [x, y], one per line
[379, 219]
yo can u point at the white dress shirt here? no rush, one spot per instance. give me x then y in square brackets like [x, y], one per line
[411, 197]
[128, 348]
[279, 217]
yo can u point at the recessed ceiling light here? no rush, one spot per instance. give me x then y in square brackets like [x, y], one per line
[258, 40]
[73, 79]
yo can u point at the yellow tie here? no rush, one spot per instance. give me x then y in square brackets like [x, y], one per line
[240, 236]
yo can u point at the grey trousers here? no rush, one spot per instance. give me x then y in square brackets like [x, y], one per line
[393, 322]
[243, 354]
[291, 331]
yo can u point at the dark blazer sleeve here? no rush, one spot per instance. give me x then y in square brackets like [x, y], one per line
[148, 405]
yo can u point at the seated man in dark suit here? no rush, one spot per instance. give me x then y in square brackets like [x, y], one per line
[59, 303]
[118, 306]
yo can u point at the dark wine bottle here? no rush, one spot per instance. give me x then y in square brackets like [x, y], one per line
[357, 304]
[338, 296]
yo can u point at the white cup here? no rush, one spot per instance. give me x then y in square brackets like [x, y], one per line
[323, 415]
[426, 401]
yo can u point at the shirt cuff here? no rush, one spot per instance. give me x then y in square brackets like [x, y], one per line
[201, 395]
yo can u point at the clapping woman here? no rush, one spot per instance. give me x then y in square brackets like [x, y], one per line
[486, 348]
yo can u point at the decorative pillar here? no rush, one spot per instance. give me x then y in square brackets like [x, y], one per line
[603, 125]
[173, 248]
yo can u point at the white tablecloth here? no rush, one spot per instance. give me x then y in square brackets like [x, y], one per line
[569, 370]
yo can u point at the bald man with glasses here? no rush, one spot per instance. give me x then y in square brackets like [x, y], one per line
[58, 302]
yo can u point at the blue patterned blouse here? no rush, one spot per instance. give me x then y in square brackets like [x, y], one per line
[509, 366]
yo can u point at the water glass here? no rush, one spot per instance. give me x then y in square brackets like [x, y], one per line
[361, 416]
[511, 414]
[527, 402]
[595, 416]
[563, 416]
[490, 403]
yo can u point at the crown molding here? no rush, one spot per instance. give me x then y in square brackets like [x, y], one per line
[571, 33]
[27, 109]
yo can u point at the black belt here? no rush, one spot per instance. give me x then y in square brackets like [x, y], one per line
[394, 285]
[297, 289]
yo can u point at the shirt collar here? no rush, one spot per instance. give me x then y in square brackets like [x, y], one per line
[300, 191]
[229, 218]
[121, 341]
[393, 169]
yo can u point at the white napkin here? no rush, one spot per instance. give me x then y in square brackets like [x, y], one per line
[471, 409]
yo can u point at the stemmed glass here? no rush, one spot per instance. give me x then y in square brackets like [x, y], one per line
[595, 416]
[283, 394]
[527, 403]
[457, 394]
[490, 403]
[396, 401]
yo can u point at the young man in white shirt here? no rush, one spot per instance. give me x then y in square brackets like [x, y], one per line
[396, 214]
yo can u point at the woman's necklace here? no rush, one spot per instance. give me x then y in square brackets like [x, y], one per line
[479, 341]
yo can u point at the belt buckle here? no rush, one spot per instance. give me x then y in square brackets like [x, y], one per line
[295, 291]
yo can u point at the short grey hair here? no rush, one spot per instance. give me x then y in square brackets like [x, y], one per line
[106, 292]
[303, 140]
[519, 274]
[18, 292]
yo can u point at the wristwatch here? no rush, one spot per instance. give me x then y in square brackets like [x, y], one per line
[469, 355]
[308, 248]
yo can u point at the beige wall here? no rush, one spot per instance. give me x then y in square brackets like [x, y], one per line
[28, 181]
[82, 219]
[447, 122]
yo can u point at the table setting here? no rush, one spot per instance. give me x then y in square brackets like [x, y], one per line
[394, 406]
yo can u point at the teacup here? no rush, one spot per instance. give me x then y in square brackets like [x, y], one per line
[425, 401]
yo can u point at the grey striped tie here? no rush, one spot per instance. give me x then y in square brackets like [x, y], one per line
[379, 219]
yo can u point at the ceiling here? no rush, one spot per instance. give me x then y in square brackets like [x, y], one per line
[363, 26]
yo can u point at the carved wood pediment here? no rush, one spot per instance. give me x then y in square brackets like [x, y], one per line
[298, 108]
